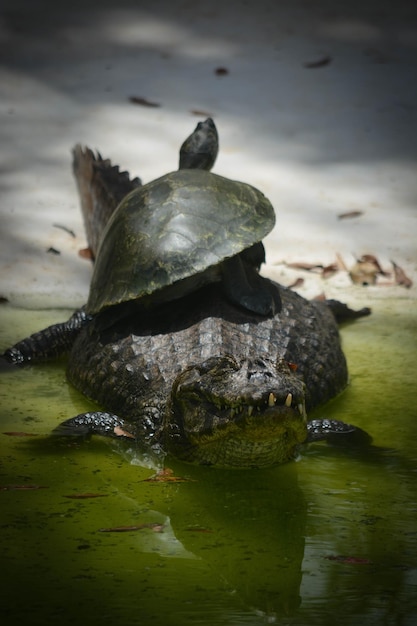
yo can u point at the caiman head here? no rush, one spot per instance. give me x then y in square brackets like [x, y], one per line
[237, 413]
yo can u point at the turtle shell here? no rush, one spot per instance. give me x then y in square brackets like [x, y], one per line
[173, 228]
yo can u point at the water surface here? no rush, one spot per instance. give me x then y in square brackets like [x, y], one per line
[329, 539]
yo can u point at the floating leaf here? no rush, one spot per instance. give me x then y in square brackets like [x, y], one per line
[297, 283]
[84, 496]
[321, 62]
[201, 113]
[301, 265]
[350, 560]
[158, 528]
[86, 253]
[371, 258]
[340, 262]
[143, 101]
[329, 270]
[166, 475]
[120, 529]
[52, 250]
[22, 487]
[65, 228]
[349, 215]
[401, 277]
[366, 270]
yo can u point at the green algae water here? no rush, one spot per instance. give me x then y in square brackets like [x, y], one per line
[332, 538]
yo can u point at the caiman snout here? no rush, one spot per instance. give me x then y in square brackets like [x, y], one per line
[258, 402]
[258, 370]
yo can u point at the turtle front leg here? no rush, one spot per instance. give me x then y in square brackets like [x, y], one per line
[48, 343]
[94, 423]
[246, 288]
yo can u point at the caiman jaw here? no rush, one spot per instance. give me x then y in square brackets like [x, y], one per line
[248, 435]
[272, 400]
[250, 409]
[241, 415]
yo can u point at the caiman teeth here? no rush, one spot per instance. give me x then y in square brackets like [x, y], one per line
[250, 408]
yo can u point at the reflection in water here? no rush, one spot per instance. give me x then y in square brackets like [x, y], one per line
[256, 523]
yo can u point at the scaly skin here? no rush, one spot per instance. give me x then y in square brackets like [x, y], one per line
[202, 379]
[210, 383]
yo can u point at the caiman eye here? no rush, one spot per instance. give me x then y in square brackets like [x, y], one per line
[293, 366]
[216, 363]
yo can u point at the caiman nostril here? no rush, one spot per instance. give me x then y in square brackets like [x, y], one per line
[256, 375]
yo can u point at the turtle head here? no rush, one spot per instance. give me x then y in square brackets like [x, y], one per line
[237, 412]
[199, 150]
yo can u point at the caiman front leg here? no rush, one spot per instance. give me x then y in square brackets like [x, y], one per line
[49, 343]
[145, 437]
[343, 313]
[94, 423]
[146, 430]
[337, 432]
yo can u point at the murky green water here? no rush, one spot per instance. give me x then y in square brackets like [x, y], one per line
[226, 547]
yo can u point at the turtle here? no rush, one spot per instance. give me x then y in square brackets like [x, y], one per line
[165, 239]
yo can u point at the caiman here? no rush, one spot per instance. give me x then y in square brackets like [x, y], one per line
[201, 373]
